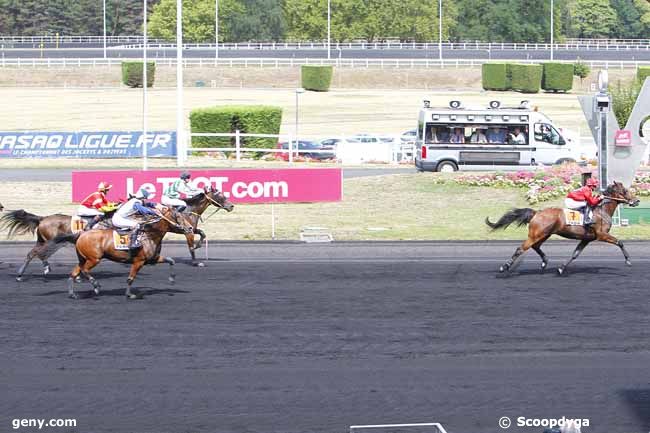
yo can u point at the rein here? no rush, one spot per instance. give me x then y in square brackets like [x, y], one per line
[620, 200]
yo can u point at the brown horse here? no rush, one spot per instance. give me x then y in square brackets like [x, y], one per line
[542, 224]
[196, 206]
[94, 245]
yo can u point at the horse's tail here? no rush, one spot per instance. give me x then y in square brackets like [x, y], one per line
[519, 216]
[19, 222]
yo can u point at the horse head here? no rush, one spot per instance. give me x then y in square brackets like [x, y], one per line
[618, 192]
[218, 199]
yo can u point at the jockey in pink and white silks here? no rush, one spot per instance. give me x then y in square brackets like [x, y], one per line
[179, 188]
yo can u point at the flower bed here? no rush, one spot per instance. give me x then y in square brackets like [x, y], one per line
[544, 184]
[541, 185]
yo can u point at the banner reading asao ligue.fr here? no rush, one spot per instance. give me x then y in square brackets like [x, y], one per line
[240, 186]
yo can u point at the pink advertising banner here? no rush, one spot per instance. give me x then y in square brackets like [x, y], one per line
[240, 186]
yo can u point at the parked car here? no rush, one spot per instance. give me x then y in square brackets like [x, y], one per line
[369, 138]
[409, 136]
[332, 143]
[307, 149]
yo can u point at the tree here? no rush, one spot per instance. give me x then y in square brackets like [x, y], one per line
[198, 20]
[592, 18]
[258, 20]
[628, 23]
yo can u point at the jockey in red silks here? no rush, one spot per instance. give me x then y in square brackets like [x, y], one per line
[95, 204]
[584, 198]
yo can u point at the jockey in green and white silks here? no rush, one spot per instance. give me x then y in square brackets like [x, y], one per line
[172, 195]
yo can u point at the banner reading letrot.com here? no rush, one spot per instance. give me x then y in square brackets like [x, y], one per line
[240, 186]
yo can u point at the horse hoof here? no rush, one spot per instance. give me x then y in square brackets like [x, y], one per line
[73, 296]
[131, 296]
[629, 263]
[96, 291]
[172, 280]
[19, 279]
[502, 269]
[47, 270]
[560, 271]
[200, 264]
[77, 279]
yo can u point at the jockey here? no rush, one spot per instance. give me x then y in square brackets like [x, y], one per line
[583, 198]
[172, 195]
[95, 204]
[123, 218]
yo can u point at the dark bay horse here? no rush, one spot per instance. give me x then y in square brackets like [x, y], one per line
[94, 245]
[196, 206]
[542, 224]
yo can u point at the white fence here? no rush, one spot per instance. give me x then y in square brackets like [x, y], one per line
[293, 62]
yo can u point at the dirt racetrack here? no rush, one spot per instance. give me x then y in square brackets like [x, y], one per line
[288, 337]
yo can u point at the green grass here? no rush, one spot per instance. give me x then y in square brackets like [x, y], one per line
[395, 207]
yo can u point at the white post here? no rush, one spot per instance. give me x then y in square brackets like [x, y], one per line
[329, 22]
[104, 2]
[298, 92]
[552, 30]
[144, 90]
[440, 28]
[237, 145]
[216, 29]
[272, 222]
[180, 133]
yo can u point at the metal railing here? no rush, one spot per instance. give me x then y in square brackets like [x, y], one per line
[471, 46]
[294, 62]
[136, 41]
[401, 152]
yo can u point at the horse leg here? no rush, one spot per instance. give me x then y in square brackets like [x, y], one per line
[73, 276]
[538, 250]
[171, 262]
[85, 271]
[581, 246]
[606, 237]
[32, 253]
[135, 268]
[512, 261]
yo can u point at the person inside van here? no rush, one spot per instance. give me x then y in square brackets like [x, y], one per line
[443, 135]
[431, 135]
[496, 135]
[517, 137]
[479, 135]
[458, 136]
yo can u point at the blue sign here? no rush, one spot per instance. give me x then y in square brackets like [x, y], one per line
[103, 144]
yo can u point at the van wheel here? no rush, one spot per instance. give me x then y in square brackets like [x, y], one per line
[447, 167]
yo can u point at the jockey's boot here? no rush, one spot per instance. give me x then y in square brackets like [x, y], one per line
[133, 241]
[587, 216]
[92, 222]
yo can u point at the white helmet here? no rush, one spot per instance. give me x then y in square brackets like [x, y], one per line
[104, 186]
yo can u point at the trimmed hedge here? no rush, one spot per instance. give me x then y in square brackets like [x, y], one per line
[132, 73]
[642, 73]
[525, 78]
[557, 77]
[494, 76]
[250, 119]
[316, 78]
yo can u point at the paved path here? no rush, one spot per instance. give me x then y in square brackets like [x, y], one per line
[290, 337]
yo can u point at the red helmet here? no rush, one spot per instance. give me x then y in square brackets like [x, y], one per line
[592, 182]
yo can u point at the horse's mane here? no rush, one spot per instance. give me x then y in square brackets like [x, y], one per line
[195, 199]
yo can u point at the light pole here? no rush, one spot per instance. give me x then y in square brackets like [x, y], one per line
[440, 28]
[216, 29]
[104, 3]
[299, 91]
[329, 22]
[552, 30]
[181, 152]
[144, 89]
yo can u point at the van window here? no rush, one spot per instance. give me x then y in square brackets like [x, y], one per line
[437, 134]
[420, 129]
[548, 134]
